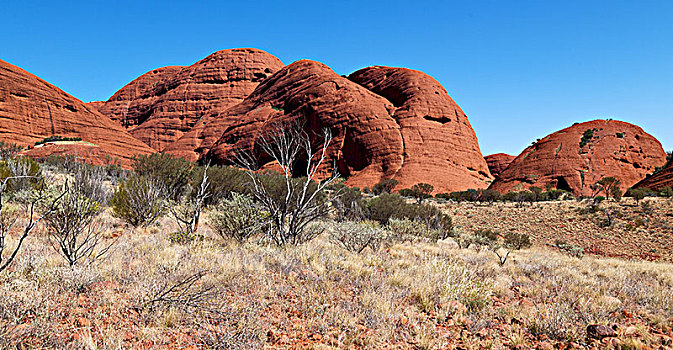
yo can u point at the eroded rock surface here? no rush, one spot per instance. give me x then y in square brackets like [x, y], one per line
[498, 162]
[32, 109]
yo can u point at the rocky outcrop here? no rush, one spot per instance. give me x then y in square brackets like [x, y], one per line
[440, 146]
[660, 180]
[407, 128]
[498, 162]
[367, 144]
[32, 109]
[161, 105]
[577, 157]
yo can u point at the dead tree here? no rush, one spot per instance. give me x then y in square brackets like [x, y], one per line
[294, 199]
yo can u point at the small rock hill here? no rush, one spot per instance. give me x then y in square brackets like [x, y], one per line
[498, 162]
[32, 109]
[662, 179]
[577, 157]
[161, 105]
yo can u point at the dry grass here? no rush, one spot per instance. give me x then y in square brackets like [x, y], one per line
[146, 294]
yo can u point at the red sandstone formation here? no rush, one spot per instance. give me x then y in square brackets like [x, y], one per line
[658, 181]
[415, 134]
[579, 156]
[32, 109]
[367, 143]
[497, 163]
[440, 147]
[161, 105]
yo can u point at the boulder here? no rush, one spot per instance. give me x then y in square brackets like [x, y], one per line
[577, 157]
[32, 109]
[160, 106]
[498, 162]
[599, 331]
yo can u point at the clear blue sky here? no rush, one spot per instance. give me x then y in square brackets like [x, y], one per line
[519, 69]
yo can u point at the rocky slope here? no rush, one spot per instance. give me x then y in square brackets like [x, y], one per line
[440, 146]
[161, 105]
[577, 157]
[32, 109]
[498, 162]
[662, 179]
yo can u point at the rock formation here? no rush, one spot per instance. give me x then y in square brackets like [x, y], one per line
[32, 109]
[161, 105]
[408, 128]
[440, 146]
[577, 157]
[658, 181]
[367, 144]
[498, 162]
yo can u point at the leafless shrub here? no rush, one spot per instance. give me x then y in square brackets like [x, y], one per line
[183, 292]
[74, 229]
[8, 218]
[188, 214]
[293, 199]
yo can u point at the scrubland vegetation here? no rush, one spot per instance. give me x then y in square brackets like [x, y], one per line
[175, 255]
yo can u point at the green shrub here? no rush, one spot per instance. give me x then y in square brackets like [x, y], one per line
[139, 200]
[238, 218]
[384, 186]
[173, 173]
[347, 202]
[57, 138]
[357, 236]
[570, 249]
[224, 181]
[666, 192]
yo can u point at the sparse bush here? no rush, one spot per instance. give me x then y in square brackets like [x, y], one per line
[347, 202]
[54, 138]
[26, 174]
[238, 218]
[570, 249]
[74, 231]
[500, 246]
[294, 199]
[357, 236]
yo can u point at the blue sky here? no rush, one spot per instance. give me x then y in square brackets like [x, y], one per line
[519, 69]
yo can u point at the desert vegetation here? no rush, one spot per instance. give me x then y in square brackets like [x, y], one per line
[171, 254]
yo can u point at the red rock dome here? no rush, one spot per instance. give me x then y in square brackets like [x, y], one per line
[579, 156]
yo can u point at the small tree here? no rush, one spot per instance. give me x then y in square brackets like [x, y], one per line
[608, 185]
[384, 186]
[501, 246]
[294, 199]
[187, 215]
[421, 191]
[637, 193]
